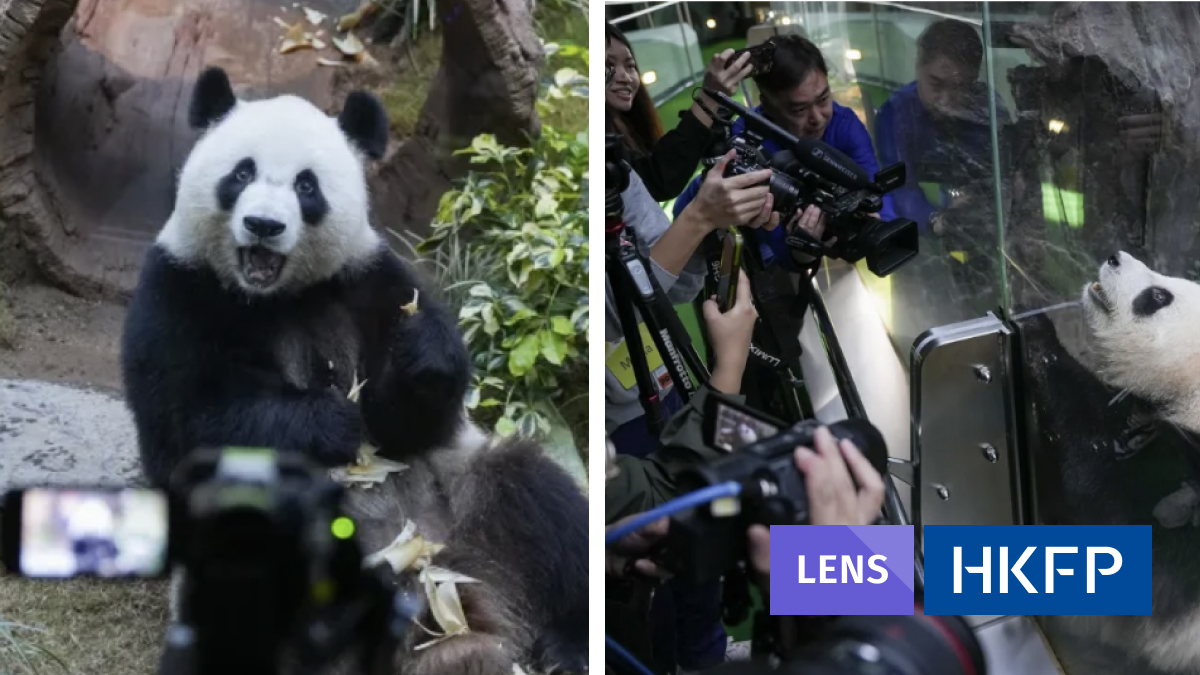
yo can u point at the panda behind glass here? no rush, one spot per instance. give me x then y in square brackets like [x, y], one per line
[1116, 441]
[268, 297]
[1145, 326]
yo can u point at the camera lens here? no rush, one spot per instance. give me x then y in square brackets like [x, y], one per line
[897, 645]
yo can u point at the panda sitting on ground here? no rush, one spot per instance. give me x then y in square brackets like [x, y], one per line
[1115, 443]
[268, 297]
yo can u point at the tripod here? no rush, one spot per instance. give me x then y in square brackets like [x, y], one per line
[634, 285]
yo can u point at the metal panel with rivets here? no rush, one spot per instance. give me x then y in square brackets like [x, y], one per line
[965, 466]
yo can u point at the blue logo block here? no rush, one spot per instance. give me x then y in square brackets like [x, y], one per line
[1038, 569]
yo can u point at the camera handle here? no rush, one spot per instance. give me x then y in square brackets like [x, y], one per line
[635, 286]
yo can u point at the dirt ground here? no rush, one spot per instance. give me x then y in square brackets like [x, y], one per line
[93, 627]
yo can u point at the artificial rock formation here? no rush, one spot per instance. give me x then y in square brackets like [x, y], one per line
[93, 117]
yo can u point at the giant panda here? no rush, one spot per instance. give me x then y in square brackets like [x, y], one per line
[1145, 324]
[268, 296]
[1115, 444]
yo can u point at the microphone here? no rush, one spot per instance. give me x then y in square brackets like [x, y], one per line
[818, 156]
[830, 163]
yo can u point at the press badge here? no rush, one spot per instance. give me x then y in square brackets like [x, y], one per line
[619, 364]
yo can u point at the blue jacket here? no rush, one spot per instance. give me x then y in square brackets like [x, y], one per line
[844, 132]
[933, 153]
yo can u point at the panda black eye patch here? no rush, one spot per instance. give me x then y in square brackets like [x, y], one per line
[231, 186]
[1151, 300]
[313, 206]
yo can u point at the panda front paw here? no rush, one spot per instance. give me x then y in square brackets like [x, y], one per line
[339, 432]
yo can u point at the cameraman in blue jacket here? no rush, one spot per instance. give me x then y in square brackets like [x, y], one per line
[796, 96]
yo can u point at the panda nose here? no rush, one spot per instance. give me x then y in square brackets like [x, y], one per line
[1114, 260]
[263, 227]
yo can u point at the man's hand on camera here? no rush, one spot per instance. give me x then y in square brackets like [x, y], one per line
[811, 220]
[730, 335]
[622, 557]
[832, 499]
[736, 200]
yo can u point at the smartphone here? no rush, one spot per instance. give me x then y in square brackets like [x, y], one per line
[762, 57]
[731, 427]
[61, 533]
[731, 264]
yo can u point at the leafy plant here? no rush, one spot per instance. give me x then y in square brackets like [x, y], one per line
[512, 237]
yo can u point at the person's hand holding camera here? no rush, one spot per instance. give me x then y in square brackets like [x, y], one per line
[624, 557]
[724, 75]
[730, 335]
[811, 219]
[832, 497]
[722, 201]
[735, 200]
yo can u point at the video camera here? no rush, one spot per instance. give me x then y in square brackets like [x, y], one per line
[273, 576]
[705, 542]
[808, 172]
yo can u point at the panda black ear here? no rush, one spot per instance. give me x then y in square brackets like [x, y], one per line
[365, 123]
[212, 98]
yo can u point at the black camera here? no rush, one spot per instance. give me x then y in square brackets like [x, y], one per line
[271, 566]
[705, 542]
[879, 645]
[807, 172]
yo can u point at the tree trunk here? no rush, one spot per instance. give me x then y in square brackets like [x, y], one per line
[29, 32]
[487, 83]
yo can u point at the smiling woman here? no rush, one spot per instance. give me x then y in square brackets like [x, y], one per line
[664, 162]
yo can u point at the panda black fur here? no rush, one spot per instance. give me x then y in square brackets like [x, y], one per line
[267, 295]
[1111, 450]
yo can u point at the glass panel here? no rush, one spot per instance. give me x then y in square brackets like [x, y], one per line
[1095, 162]
[666, 46]
[933, 115]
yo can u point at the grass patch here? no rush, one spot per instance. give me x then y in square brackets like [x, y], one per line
[405, 97]
[94, 627]
[21, 654]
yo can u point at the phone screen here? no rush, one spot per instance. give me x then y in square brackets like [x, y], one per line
[93, 532]
[735, 429]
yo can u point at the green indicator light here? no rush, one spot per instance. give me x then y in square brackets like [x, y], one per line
[343, 528]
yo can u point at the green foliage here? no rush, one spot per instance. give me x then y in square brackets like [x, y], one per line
[512, 240]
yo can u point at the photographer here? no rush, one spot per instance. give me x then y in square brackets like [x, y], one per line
[664, 162]
[796, 96]
[637, 485]
[679, 268]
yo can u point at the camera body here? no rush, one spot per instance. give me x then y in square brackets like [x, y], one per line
[807, 172]
[270, 565]
[703, 543]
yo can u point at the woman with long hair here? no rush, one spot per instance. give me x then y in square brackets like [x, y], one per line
[665, 162]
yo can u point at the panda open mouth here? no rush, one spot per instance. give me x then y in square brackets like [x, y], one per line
[1096, 291]
[260, 266]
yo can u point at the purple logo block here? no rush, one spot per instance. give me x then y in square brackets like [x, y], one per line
[842, 570]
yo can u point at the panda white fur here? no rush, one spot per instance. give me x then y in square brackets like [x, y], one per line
[267, 295]
[1115, 442]
[1145, 326]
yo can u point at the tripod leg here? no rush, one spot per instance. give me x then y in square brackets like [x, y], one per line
[636, 284]
[647, 390]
